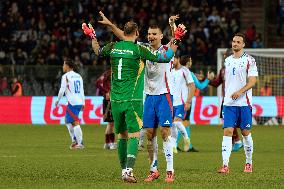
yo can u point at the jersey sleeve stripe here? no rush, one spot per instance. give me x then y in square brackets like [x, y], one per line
[67, 84]
[247, 66]
[167, 84]
[248, 102]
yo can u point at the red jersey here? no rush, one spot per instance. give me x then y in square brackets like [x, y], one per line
[103, 83]
[220, 79]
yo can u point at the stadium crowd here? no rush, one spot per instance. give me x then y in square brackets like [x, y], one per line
[41, 33]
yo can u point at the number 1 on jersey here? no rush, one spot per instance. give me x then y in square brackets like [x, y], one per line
[119, 68]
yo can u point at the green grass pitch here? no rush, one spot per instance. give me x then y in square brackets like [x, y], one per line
[39, 157]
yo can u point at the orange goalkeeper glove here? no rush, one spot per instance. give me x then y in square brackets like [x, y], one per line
[89, 30]
[179, 33]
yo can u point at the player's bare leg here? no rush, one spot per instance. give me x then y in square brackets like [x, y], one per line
[110, 137]
[107, 137]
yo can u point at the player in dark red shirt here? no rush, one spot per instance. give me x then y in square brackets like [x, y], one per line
[103, 86]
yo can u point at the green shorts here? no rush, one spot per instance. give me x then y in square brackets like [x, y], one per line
[127, 116]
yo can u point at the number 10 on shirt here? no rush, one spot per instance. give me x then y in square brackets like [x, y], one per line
[77, 86]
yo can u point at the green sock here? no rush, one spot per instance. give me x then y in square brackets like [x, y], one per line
[132, 149]
[122, 152]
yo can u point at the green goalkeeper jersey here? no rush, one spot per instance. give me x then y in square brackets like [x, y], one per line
[127, 64]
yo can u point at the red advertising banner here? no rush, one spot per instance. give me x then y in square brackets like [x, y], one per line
[42, 110]
[15, 110]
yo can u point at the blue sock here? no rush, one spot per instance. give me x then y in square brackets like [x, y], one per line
[178, 138]
[188, 133]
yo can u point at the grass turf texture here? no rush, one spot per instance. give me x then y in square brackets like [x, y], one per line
[39, 157]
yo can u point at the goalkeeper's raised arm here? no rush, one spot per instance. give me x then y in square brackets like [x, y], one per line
[117, 32]
[172, 24]
[131, 34]
[89, 31]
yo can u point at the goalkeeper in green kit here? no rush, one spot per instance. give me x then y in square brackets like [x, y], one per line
[127, 83]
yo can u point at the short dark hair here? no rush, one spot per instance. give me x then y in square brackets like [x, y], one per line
[184, 59]
[242, 36]
[155, 26]
[71, 64]
[130, 27]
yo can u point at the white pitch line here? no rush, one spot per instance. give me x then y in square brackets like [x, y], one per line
[8, 156]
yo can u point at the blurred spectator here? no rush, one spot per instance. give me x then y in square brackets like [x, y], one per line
[3, 85]
[250, 35]
[214, 17]
[280, 16]
[4, 89]
[40, 71]
[257, 43]
[16, 87]
[52, 28]
[266, 90]
[53, 59]
[3, 58]
[20, 60]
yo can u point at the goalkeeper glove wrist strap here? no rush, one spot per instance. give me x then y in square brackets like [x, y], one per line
[177, 42]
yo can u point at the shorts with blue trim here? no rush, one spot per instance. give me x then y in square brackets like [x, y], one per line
[179, 111]
[158, 111]
[72, 113]
[235, 116]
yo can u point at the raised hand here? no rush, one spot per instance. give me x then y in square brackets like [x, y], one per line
[104, 20]
[172, 20]
[89, 30]
[180, 32]
[210, 75]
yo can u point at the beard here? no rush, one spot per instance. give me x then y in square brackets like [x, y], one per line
[236, 49]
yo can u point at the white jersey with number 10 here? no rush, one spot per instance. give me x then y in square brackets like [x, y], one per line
[72, 86]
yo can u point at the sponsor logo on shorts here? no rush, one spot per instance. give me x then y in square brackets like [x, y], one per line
[131, 156]
[167, 122]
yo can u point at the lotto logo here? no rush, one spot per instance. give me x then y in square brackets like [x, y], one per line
[248, 125]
